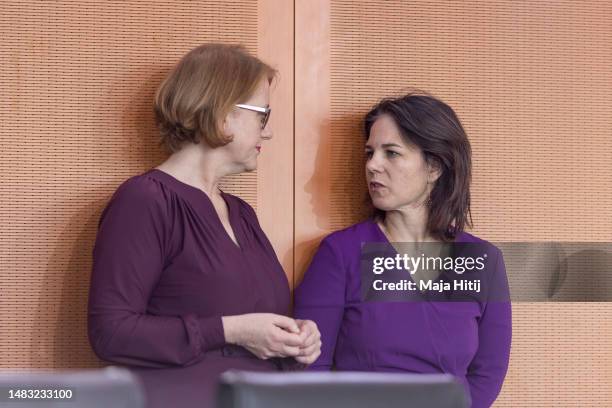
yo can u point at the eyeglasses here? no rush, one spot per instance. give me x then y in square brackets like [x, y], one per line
[264, 111]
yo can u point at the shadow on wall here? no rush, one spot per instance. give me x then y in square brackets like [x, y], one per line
[559, 271]
[337, 188]
[62, 313]
[347, 171]
[317, 188]
[138, 122]
[588, 277]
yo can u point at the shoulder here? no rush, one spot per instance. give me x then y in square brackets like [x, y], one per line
[245, 208]
[348, 242]
[136, 217]
[338, 253]
[364, 231]
[239, 201]
[138, 196]
[466, 237]
[142, 186]
[479, 246]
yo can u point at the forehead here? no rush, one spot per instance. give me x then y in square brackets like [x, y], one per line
[262, 92]
[385, 130]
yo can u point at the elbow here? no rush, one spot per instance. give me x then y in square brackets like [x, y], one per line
[99, 350]
[100, 336]
[102, 353]
[107, 347]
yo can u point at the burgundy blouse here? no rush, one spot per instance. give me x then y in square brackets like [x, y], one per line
[164, 272]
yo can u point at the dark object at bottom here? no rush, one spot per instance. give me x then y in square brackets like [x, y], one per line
[241, 389]
[109, 387]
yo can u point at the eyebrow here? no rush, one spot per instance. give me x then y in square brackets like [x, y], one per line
[385, 145]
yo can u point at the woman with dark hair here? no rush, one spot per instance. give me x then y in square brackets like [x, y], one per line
[418, 170]
[185, 284]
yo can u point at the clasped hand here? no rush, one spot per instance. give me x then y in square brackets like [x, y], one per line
[270, 335]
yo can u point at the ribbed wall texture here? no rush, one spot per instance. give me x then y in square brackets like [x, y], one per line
[532, 84]
[530, 80]
[77, 80]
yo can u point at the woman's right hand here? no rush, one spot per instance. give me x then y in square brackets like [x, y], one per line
[264, 334]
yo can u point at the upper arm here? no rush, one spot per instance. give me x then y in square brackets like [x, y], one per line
[321, 298]
[488, 368]
[129, 252]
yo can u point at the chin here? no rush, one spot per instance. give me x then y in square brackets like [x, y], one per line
[250, 166]
[381, 205]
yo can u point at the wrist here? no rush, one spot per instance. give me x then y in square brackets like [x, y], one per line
[231, 329]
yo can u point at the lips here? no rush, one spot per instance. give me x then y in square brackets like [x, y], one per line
[258, 148]
[376, 186]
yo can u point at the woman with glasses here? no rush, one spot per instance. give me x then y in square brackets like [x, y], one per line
[418, 173]
[185, 284]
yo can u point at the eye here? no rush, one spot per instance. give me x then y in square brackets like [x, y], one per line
[369, 154]
[391, 153]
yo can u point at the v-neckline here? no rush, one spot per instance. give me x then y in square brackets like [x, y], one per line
[230, 213]
[386, 240]
[238, 244]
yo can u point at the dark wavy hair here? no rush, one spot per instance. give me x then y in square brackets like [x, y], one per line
[433, 126]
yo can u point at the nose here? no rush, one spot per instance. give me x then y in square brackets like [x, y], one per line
[266, 133]
[373, 164]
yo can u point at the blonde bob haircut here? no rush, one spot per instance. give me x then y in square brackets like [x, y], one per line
[202, 89]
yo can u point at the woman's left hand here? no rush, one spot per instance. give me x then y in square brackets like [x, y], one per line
[310, 349]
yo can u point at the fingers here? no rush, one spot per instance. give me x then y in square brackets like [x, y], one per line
[285, 344]
[307, 325]
[288, 339]
[289, 351]
[311, 347]
[314, 347]
[313, 338]
[309, 332]
[303, 334]
[310, 358]
[286, 323]
[293, 338]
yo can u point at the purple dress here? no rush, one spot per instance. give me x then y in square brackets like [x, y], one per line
[470, 340]
[164, 272]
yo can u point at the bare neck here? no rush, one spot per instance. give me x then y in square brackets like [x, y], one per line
[407, 225]
[198, 166]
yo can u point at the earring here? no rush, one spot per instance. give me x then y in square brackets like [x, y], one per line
[428, 202]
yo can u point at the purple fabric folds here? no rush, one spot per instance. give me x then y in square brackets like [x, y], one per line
[470, 340]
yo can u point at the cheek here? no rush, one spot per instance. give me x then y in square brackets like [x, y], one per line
[246, 130]
[239, 148]
[246, 139]
[409, 180]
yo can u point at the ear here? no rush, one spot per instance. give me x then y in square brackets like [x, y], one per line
[434, 171]
[226, 126]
